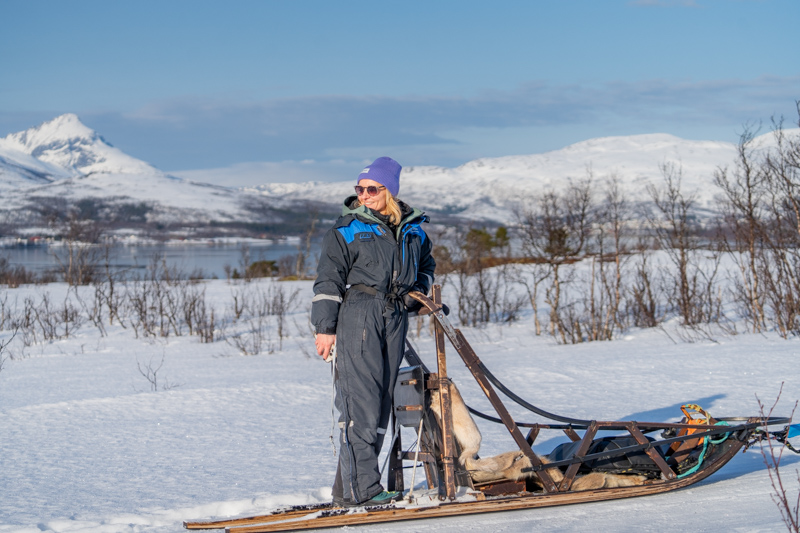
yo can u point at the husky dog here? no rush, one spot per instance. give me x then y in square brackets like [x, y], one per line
[510, 465]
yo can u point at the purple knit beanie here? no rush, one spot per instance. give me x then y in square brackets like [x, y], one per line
[385, 171]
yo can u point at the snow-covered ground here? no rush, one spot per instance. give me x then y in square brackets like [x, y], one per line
[87, 446]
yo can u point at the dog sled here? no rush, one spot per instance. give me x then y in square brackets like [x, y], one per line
[609, 460]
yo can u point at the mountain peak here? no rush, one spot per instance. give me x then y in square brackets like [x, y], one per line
[67, 142]
[67, 124]
[63, 128]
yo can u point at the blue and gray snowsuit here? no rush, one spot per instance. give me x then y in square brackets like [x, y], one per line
[364, 274]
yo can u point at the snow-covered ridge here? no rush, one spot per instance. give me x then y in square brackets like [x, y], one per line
[487, 187]
[64, 158]
[65, 141]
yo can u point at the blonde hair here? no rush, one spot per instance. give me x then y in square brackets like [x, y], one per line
[395, 213]
[392, 208]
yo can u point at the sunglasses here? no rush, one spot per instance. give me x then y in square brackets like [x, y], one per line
[371, 190]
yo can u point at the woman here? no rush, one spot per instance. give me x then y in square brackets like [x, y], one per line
[372, 257]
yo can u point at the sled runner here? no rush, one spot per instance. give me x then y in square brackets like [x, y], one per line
[610, 460]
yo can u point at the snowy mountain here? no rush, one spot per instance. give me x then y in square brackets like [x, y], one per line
[62, 162]
[67, 143]
[487, 188]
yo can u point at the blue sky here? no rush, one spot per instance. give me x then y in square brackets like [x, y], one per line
[199, 84]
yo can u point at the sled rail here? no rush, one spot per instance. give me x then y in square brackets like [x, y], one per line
[646, 427]
[305, 519]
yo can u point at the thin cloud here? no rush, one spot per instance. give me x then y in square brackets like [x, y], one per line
[205, 134]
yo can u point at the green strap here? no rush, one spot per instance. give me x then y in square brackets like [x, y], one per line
[706, 440]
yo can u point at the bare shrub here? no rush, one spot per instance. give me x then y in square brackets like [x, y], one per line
[603, 302]
[244, 264]
[191, 297]
[24, 321]
[744, 209]
[531, 276]
[482, 276]
[259, 310]
[167, 302]
[676, 230]
[15, 275]
[772, 454]
[109, 289]
[286, 266]
[79, 255]
[57, 321]
[302, 258]
[254, 338]
[43, 320]
[241, 302]
[205, 324]
[6, 312]
[3, 345]
[150, 372]
[555, 229]
[646, 301]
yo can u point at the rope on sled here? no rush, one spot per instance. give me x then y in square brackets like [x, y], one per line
[702, 456]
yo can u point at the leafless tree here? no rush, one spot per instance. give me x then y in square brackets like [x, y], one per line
[782, 271]
[606, 279]
[304, 247]
[745, 200]
[244, 264]
[531, 276]
[676, 229]
[6, 313]
[482, 275]
[107, 288]
[555, 229]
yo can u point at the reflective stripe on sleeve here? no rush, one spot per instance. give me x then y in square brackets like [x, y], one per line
[319, 297]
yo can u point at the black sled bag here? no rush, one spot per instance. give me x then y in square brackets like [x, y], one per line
[629, 463]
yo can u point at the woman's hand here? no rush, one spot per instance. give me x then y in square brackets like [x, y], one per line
[324, 343]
